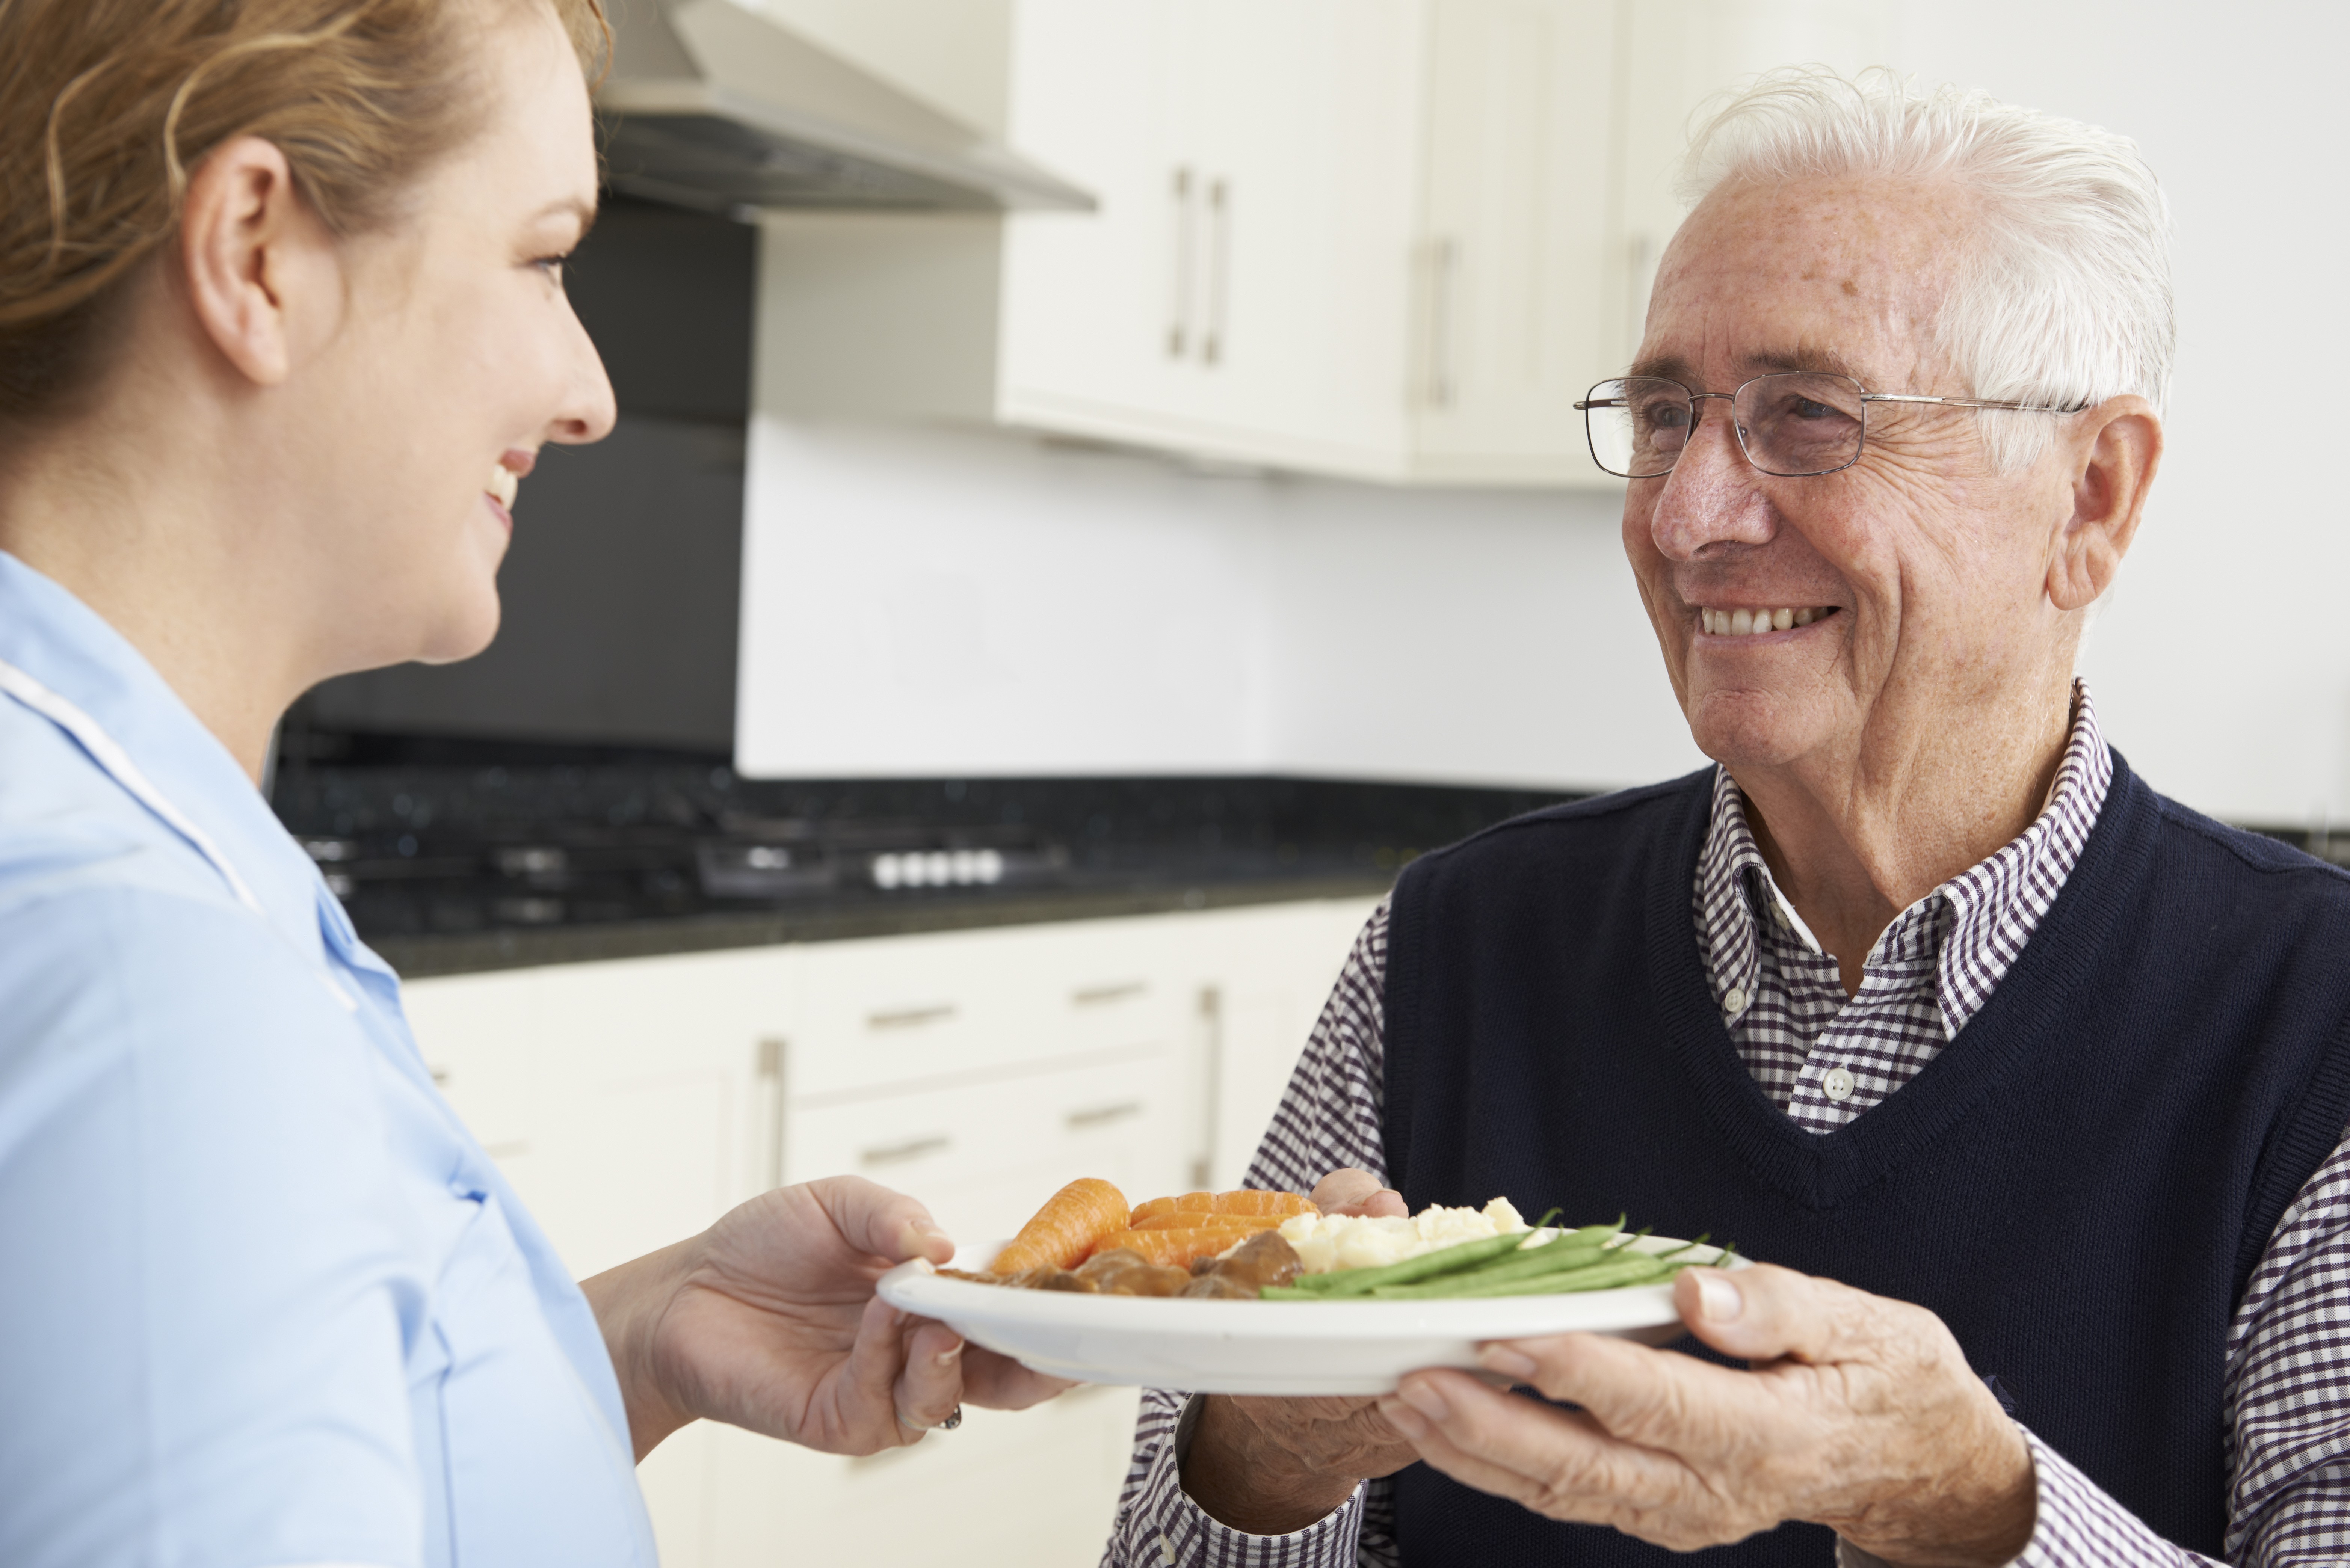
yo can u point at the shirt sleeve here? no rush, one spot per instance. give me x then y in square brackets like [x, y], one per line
[1328, 1119]
[202, 1332]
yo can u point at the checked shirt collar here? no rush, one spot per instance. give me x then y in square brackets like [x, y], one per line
[1931, 971]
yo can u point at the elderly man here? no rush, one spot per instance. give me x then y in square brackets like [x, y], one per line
[1921, 990]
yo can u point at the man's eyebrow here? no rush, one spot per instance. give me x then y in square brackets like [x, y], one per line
[1665, 366]
[1815, 358]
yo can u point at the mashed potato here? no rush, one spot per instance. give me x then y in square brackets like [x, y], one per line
[1327, 1242]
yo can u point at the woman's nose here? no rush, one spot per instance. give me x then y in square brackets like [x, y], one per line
[589, 409]
[1710, 497]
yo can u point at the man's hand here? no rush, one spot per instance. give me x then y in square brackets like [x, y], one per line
[1859, 1413]
[768, 1321]
[1269, 1467]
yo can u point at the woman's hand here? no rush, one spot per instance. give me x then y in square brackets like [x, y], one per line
[768, 1321]
[1859, 1413]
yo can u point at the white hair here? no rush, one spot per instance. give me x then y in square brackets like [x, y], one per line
[2064, 298]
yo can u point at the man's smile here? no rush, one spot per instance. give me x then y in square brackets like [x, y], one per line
[1726, 622]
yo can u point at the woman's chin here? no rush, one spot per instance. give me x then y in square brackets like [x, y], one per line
[464, 635]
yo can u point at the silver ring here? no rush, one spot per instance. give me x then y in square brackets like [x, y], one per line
[955, 1420]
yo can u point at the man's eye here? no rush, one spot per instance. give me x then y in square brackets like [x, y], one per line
[1806, 409]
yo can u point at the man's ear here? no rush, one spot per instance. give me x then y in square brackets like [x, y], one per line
[249, 245]
[2113, 454]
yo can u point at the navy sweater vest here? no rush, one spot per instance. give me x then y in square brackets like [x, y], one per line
[2080, 1185]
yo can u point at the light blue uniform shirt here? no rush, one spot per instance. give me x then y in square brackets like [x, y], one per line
[263, 1299]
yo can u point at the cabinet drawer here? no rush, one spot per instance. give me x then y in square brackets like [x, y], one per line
[983, 1156]
[908, 1010]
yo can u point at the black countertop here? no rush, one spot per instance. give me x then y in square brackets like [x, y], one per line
[455, 856]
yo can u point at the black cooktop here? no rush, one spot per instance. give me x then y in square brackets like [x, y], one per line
[423, 836]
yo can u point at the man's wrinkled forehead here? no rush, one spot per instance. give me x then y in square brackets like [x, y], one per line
[1837, 276]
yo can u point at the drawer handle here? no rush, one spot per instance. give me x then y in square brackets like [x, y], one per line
[899, 1153]
[1095, 995]
[910, 1017]
[1102, 1116]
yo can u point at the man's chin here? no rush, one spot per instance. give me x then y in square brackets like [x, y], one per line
[1753, 728]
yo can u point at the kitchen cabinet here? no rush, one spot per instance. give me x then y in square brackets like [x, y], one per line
[1365, 237]
[1371, 238]
[632, 1103]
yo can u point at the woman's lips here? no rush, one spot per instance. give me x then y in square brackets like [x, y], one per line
[503, 486]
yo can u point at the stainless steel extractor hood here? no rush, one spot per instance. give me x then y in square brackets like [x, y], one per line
[712, 104]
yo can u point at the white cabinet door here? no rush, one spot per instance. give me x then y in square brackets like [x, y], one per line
[1098, 309]
[1520, 305]
[1244, 290]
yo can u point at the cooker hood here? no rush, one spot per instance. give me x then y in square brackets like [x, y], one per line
[714, 105]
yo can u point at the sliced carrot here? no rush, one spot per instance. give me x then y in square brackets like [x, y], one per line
[1179, 1248]
[1206, 1222]
[1245, 1202]
[1162, 1208]
[1068, 1230]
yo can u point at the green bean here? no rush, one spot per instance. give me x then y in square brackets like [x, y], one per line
[1639, 1269]
[1444, 1260]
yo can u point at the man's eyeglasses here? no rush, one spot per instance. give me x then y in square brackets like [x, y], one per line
[1792, 425]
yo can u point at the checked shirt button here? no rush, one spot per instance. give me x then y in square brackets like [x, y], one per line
[1836, 1084]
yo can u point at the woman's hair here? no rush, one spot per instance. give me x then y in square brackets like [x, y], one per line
[2065, 296]
[104, 105]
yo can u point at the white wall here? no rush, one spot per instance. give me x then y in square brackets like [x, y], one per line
[2220, 665]
[921, 600]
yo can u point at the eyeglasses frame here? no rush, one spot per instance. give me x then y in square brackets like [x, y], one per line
[1697, 415]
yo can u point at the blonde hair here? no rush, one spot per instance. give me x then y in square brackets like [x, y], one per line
[104, 105]
[2065, 297]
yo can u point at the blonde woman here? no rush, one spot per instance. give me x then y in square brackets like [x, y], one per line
[282, 326]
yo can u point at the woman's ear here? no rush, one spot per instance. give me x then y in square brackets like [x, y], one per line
[2112, 456]
[253, 257]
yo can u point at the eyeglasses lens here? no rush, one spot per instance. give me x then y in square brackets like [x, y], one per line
[1638, 425]
[1789, 425]
[1800, 424]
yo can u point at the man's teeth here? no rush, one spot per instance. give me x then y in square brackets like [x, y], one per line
[504, 484]
[1741, 622]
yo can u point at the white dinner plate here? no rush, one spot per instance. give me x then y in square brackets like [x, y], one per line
[1265, 1347]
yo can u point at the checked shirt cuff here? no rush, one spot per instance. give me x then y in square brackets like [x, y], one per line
[1163, 1527]
[2080, 1524]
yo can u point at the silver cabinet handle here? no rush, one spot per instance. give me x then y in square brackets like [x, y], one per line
[1220, 263]
[1443, 262]
[1102, 1116]
[1100, 995]
[775, 1060]
[910, 1017]
[1179, 302]
[912, 1148]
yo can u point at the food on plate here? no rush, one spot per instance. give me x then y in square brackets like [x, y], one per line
[1276, 1246]
[1248, 1203]
[1535, 1261]
[1071, 1227]
[1263, 1261]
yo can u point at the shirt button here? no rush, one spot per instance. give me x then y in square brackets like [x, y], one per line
[1836, 1084]
[1166, 1552]
[1734, 1001]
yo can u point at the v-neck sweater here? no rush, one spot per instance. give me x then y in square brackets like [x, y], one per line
[2079, 1186]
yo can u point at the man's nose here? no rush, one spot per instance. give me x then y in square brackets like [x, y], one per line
[1710, 498]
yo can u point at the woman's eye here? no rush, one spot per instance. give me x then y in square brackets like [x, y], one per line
[552, 266]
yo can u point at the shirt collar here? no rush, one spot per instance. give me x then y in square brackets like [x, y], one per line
[60, 659]
[1974, 925]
